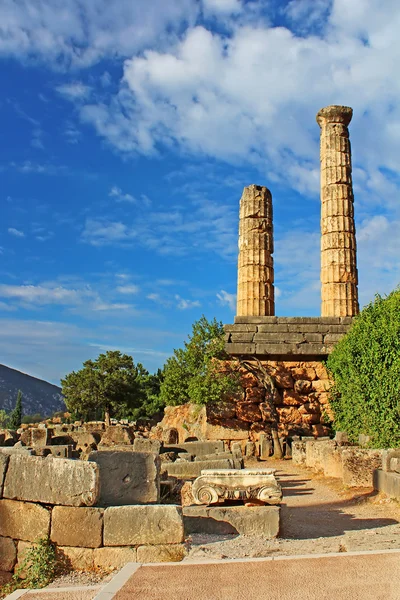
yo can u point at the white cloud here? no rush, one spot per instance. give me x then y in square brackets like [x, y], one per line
[16, 232]
[110, 306]
[227, 299]
[223, 7]
[77, 33]
[120, 196]
[183, 304]
[102, 233]
[75, 90]
[128, 289]
[39, 294]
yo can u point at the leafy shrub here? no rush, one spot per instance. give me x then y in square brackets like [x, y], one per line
[39, 568]
[365, 366]
[197, 372]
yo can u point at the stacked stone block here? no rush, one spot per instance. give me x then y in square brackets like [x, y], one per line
[339, 277]
[87, 537]
[255, 292]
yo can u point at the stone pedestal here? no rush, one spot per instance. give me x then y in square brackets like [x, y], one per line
[255, 293]
[339, 277]
[215, 485]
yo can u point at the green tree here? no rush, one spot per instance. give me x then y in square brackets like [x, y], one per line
[15, 418]
[110, 383]
[198, 372]
[150, 385]
[3, 418]
[365, 366]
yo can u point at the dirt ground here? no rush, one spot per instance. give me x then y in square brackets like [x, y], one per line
[318, 515]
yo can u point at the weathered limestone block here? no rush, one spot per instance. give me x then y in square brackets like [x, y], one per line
[299, 453]
[77, 559]
[255, 263]
[81, 527]
[108, 559]
[8, 437]
[133, 525]
[84, 440]
[233, 484]
[127, 477]
[116, 435]
[216, 456]
[23, 520]
[199, 448]
[3, 468]
[165, 553]
[248, 412]
[265, 447]
[232, 429]
[253, 521]
[8, 554]
[338, 245]
[387, 457]
[225, 409]
[387, 482]
[36, 437]
[292, 398]
[255, 394]
[188, 470]
[52, 480]
[359, 465]
[146, 445]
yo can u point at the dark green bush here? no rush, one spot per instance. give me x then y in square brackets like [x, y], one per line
[365, 366]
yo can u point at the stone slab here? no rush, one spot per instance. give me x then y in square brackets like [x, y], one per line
[387, 482]
[127, 477]
[81, 527]
[8, 554]
[163, 553]
[23, 520]
[244, 520]
[137, 525]
[216, 456]
[3, 468]
[359, 465]
[145, 445]
[197, 448]
[108, 559]
[52, 480]
[186, 470]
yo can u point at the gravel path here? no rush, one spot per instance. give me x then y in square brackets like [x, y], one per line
[318, 515]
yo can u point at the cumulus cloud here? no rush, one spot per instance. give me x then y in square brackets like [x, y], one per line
[16, 232]
[120, 196]
[77, 33]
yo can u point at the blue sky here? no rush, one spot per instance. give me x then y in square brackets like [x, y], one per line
[127, 133]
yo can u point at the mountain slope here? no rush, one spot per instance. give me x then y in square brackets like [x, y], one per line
[38, 396]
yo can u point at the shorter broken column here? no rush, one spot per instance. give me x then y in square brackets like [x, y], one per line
[255, 292]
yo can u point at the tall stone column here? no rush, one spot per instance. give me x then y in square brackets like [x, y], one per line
[255, 293]
[339, 278]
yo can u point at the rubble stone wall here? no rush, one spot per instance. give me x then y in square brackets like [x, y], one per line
[301, 399]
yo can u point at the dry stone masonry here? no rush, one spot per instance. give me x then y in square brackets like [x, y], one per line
[338, 241]
[255, 292]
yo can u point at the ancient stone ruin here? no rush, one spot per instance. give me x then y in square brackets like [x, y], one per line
[293, 348]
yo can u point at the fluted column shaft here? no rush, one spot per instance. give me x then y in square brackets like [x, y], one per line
[339, 278]
[255, 293]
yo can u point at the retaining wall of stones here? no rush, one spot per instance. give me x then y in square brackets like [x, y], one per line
[355, 466]
[59, 498]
